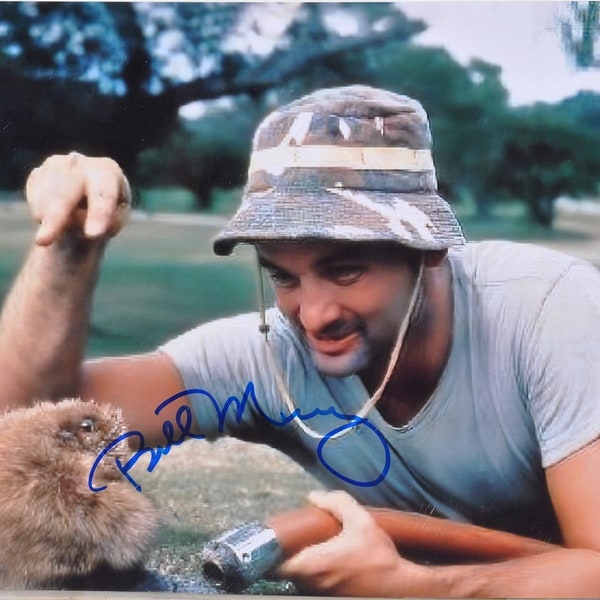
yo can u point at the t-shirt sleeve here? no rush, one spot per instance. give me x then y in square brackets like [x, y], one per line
[564, 364]
[220, 365]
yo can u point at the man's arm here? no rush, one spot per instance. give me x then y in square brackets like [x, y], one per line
[79, 203]
[362, 560]
[137, 385]
[43, 326]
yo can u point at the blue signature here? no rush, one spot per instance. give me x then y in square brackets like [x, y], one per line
[176, 434]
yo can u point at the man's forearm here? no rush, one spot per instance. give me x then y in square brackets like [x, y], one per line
[44, 322]
[563, 573]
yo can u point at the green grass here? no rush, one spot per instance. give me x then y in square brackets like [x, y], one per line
[167, 199]
[180, 200]
[158, 279]
[139, 304]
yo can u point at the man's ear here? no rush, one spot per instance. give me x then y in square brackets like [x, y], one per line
[434, 258]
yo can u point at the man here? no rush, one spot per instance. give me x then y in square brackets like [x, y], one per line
[401, 364]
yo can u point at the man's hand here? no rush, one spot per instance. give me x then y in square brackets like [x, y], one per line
[87, 196]
[361, 561]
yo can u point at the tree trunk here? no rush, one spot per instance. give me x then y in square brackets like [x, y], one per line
[543, 210]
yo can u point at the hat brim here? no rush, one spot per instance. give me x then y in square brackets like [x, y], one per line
[423, 221]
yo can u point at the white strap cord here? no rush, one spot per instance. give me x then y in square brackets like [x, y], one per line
[372, 401]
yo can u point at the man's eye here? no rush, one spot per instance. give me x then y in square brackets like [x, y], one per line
[280, 279]
[347, 274]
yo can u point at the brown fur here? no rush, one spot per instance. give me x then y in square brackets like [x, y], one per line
[53, 528]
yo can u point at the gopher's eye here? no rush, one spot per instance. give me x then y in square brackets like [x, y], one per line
[88, 425]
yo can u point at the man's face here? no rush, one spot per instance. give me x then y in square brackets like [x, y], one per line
[346, 300]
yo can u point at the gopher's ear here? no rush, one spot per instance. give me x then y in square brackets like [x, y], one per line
[434, 258]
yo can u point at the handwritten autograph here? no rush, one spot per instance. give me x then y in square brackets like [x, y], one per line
[176, 434]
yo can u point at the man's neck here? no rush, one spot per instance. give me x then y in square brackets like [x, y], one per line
[424, 353]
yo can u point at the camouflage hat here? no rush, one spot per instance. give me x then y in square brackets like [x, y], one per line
[349, 164]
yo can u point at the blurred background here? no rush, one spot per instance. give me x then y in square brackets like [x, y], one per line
[173, 91]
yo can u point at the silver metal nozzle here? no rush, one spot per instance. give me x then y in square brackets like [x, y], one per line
[240, 556]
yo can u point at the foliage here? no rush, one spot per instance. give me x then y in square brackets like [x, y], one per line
[180, 43]
[109, 78]
[42, 41]
[547, 154]
[204, 154]
[583, 109]
[580, 33]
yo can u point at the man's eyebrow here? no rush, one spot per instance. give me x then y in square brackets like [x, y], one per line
[267, 264]
[343, 254]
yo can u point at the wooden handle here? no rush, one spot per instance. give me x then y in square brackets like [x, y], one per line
[411, 532]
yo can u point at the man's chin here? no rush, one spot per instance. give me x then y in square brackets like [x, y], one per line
[342, 365]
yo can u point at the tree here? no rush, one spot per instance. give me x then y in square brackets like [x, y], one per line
[546, 154]
[583, 109]
[580, 33]
[203, 154]
[109, 78]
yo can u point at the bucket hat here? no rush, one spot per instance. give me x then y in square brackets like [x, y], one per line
[349, 164]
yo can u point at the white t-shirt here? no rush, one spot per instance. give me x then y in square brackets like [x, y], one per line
[520, 392]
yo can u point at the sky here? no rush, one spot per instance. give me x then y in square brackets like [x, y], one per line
[521, 37]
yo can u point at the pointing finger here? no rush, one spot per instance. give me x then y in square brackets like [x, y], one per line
[101, 205]
[108, 198]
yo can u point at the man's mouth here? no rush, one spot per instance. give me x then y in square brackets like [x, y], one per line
[334, 346]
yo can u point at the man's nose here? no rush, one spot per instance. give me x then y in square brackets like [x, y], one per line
[318, 308]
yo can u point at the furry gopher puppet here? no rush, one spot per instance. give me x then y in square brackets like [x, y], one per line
[55, 531]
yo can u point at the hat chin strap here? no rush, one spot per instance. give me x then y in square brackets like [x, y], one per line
[372, 401]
